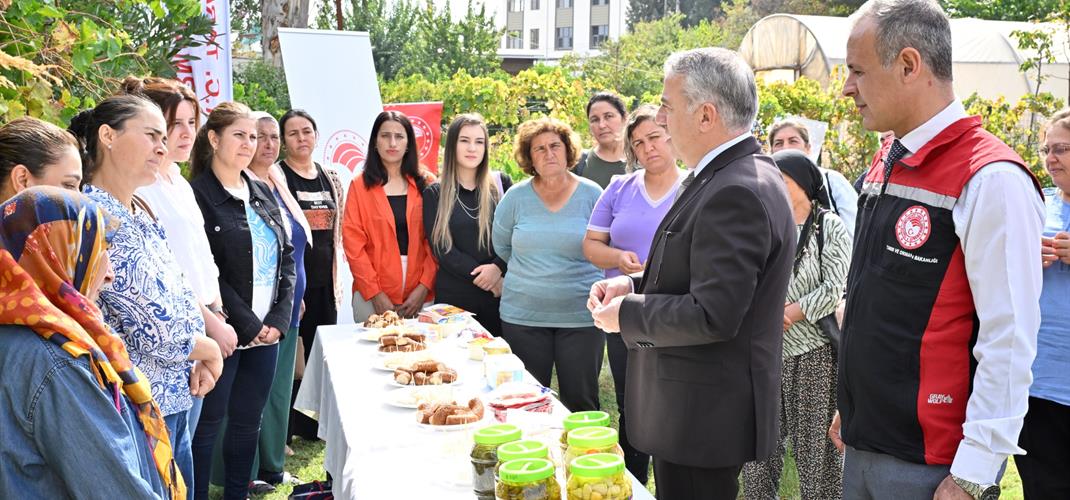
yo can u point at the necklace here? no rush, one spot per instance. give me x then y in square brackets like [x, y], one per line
[469, 211]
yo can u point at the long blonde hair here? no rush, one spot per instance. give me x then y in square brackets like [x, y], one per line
[485, 186]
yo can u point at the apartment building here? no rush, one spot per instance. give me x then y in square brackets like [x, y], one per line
[548, 29]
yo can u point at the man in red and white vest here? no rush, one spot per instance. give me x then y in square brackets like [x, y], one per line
[942, 295]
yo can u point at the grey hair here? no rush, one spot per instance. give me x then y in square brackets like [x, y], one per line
[920, 24]
[718, 76]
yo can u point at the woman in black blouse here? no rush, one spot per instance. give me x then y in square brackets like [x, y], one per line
[458, 214]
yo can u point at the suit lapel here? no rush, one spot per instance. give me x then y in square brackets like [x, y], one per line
[748, 146]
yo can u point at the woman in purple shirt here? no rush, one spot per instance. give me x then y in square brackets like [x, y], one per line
[621, 229]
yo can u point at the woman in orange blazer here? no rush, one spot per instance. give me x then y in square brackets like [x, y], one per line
[382, 225]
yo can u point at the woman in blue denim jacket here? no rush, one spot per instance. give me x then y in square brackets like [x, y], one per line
[256, 280]
[150, 305]
[76, 419]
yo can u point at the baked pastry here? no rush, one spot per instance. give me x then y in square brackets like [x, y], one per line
[476, 407]
[402, 377]
[461, 417]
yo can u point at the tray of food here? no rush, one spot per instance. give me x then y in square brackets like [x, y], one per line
[450, 416]
[424, 373]
[389, 318]
[389, 362]
[402, 342]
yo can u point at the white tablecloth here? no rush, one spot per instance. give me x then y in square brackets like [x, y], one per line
[377, 451]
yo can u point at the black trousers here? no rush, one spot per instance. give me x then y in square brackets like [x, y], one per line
[682, 482]
[483, 304]
[576, 352]
[319, 310]
[638, 463]
[1046, 439]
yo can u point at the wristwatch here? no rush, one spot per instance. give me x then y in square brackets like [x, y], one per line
[978, 491]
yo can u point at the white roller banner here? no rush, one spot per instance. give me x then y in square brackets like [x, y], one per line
[331, 75]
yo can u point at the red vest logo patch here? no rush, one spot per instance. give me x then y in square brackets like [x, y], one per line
[913, 227]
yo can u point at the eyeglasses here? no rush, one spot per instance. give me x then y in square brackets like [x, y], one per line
[1059, 149]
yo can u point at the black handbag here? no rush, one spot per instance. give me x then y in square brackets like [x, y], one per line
[829, 325]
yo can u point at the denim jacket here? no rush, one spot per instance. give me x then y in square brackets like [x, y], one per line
[61, 435]
[231, 242]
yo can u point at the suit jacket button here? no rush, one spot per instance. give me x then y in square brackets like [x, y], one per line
[217, 229]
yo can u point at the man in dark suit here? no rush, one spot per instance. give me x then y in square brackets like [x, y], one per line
[705, 326]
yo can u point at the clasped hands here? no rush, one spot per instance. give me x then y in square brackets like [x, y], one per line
[1055, 249]
[604, 302]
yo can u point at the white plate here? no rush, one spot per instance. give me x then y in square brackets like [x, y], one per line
[449, 428]
[394, 383]
[404, 358]
[403, 397]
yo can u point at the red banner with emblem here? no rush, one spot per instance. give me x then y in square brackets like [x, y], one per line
[426, 118]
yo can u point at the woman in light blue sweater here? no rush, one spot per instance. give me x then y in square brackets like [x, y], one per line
[538, 229]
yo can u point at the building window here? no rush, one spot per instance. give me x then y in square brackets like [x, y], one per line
[513, 40]
[534, 39]
[564, 38]
[599, 2]
[535, 5]
[516, 5]
[564, 4]
[599, 34]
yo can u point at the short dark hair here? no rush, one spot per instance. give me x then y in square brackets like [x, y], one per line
[920, 24]
[613, 99]
[295, 113]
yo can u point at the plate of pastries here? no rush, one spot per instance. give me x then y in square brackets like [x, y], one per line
[450, 416]
[422, 373]
[402, 342]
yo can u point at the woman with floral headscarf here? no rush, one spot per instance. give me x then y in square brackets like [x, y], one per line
[77, 419]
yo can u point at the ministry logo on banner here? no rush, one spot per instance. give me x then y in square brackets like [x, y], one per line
[426, 118]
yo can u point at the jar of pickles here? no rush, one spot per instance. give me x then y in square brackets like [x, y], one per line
[591, 440]
[525, 448]
[582, 419]
[528, 479]
[598, 477]
[485, 456]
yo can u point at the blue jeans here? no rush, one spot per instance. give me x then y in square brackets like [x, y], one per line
[194, 415]
[178, 428]
[240, 394]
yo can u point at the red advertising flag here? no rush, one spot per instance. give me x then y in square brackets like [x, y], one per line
[426, 118]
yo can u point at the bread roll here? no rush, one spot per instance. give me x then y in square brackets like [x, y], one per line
[476, 406]
[402, 377]
[463, 417]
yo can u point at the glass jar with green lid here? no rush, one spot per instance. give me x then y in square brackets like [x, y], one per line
[598, 477]
[528, 479]
[582, 419]
[485, 456]
[591, 440]
[525, 448]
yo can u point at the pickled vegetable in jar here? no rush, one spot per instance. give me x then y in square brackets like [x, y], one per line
[591, 440]
[485, 456]
[582, 419]
[598, 477]
[528, 479]
[526, 448]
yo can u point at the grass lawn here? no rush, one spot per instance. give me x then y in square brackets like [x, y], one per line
[307, 463]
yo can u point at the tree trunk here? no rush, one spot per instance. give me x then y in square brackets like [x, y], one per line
[275, 14]
[338, 15]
